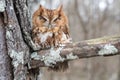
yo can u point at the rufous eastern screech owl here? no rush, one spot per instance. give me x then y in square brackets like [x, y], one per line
[50, 29]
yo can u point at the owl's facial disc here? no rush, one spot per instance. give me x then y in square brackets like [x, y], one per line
[53, 22]
[50, 23]
[50, 18]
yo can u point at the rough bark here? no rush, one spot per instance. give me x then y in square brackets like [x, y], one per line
[17, 49]
[19, 39]
[106, 46]
[5, 66]
[24, 20]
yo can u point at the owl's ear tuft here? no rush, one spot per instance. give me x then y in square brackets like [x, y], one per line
[60, 8]
[41, 8]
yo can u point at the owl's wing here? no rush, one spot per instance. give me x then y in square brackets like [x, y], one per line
[65, 29]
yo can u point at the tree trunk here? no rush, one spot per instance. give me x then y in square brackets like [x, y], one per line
[14, 28]
[5, 66]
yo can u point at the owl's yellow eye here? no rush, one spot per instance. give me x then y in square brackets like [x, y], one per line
[42, 18]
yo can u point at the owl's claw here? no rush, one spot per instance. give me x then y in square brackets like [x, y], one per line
[62, 45]
[45, 45]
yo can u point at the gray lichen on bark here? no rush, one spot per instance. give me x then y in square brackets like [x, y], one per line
[18, 58]
[71, 56]
[51, 58]
[2, 5]
[108, 49]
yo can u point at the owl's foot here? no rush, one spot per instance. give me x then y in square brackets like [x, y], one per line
[62, 43]
[69, 40]
[45, 45]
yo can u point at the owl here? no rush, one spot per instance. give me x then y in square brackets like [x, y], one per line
[50, 29]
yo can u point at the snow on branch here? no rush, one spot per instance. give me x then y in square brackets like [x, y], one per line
[105, 46]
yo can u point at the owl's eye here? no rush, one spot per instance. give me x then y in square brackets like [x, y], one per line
[42, 18]
[58, 18]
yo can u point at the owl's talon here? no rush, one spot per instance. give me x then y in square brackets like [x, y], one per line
[62, 45]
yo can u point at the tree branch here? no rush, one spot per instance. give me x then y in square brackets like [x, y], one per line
[105, 46]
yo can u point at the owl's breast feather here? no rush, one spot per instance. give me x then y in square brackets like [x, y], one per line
[43, 36]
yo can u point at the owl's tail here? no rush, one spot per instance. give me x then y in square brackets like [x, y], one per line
[60, 66]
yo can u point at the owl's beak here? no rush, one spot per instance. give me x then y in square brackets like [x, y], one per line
[49, 26]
